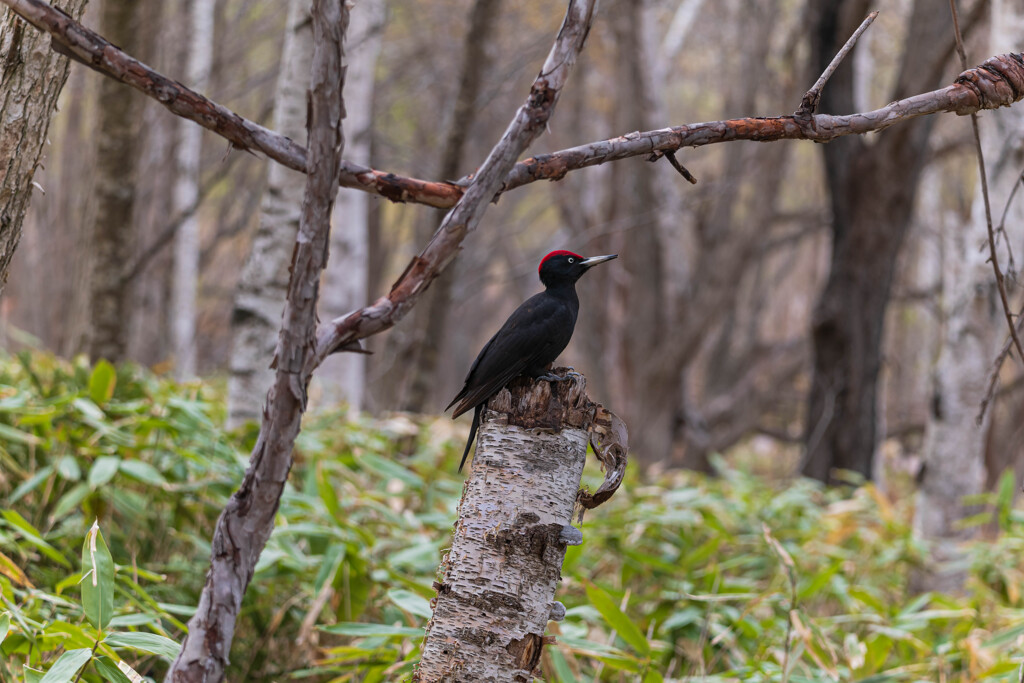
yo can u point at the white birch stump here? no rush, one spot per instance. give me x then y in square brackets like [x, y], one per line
[498, 581]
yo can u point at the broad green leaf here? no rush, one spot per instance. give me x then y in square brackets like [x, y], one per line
[410, 602]
[653, 676]
[12, 571]
[142, 471]
[97, 579]
[390, 469]
[133, 620]
[102, 382]
[563, 674]
[67, 468]
[30, 484]
[71, 635]
[103, 470]
[5, 625]
[30, 534]
[617, 619]
[32, 675]
[150, 643]
[9, 433]
[112, 672]
[367, 630]
[67, 665]
[70, 500]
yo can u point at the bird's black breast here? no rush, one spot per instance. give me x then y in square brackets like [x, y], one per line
[532, 338]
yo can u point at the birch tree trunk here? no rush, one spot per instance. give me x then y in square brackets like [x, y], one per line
[112, 228]
[186, 192]
[342, 377]
[974, 331]
[261, 290]
[497, 591]
[31, 78]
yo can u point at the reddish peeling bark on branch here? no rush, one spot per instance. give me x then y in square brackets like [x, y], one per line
[91, 49]
[248, 519]
[996, 83]
[528, 123]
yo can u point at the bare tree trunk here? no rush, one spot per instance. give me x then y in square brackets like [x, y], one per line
[31, 78]
[245, 525]
[973, 332]
[260, 296]
[497, 591]
[431, 318]
[872, 192]
[112, 226]
[186, 193]
[343, 376]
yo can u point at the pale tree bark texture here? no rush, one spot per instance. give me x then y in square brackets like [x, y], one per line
[185, 281]
[342, 379]
[497, 589]
[259, 298]
[245, 525]
[31, 78]
[112, 227]
[872, 190]
[973, 332]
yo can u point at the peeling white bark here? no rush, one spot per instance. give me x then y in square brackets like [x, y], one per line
[497, 591]
[186, 192]
[974, 331]
[261, 290]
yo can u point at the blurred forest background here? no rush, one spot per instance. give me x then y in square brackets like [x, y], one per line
[825, 304]
[820, 309]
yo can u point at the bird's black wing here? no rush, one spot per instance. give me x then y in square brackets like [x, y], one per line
[515, 348]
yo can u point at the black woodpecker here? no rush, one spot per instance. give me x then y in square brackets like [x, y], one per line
[530, 340]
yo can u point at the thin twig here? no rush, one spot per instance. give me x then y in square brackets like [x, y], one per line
[993, 253]
[812, 97]
[1011, 267]
[671, 156]
[993, 377]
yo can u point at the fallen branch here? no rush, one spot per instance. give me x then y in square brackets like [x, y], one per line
[992, 85]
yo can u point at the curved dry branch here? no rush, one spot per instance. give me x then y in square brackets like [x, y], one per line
[993, 84]
[528, 123]
[247, 521]
[94, 51]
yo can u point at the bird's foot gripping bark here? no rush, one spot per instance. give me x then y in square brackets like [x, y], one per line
[550, 376]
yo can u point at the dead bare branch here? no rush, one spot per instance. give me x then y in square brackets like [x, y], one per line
[529, 122]
[809, 103]
[993, 84]
[248, 519]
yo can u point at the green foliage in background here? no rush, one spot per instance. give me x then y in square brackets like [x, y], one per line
[680, 576]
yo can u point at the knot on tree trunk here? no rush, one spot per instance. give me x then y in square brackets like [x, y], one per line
[499, 578]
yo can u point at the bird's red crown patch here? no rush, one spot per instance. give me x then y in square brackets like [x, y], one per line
[560, 252]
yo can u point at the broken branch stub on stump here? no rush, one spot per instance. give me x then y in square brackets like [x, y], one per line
[497, 590]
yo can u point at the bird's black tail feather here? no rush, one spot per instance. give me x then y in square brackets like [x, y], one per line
[472, 433]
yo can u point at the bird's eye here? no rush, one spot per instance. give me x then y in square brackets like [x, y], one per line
[572, 260]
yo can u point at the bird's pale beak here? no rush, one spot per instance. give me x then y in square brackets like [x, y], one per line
[594, 260]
